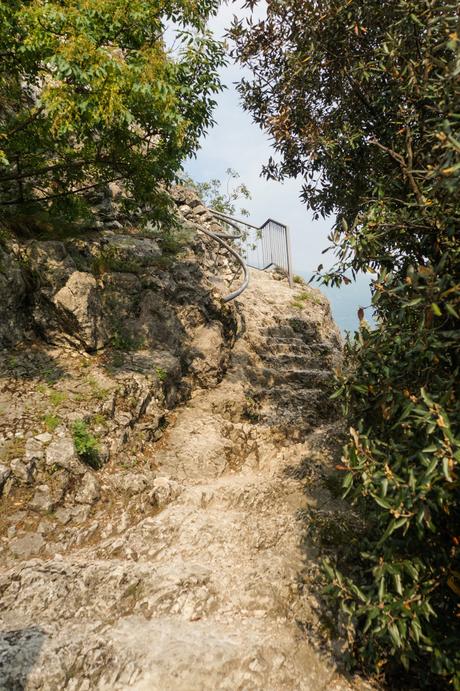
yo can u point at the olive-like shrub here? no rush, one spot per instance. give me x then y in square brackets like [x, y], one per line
[362, 99]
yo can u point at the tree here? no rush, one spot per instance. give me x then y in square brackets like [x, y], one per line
[90, 92]
[362, 98]
[220, 198]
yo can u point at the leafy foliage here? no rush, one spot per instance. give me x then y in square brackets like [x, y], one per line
[90, 92]
[362, 98]
[86, 444]
[222, 196]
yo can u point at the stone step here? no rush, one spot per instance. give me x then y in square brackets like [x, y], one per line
[296, 345]
[157, 629]
[313, 378]
[302, 405]
[294, 360]
[187, 588]
[287, 391]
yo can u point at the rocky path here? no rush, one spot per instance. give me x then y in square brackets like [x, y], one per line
[209, 586]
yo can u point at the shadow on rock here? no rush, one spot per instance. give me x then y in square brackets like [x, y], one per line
[28, 362]
[19, 651]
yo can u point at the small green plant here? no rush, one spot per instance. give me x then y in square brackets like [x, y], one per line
[5, 234]
[49, 373]
[299, 280]
[129, 464]
[99, 420]
[51, 422]
[110, 260]
[297, 304]
[97, 391]
[57, 397]
[117, 360]
[251, 409]
[303, 297]
[161, 373]
[86, 444]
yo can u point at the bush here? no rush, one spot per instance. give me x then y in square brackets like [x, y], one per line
[86, 444]
[362, 98]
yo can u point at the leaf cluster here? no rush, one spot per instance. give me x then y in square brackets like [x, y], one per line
[91, 92]
[86, 444]
[222, 196]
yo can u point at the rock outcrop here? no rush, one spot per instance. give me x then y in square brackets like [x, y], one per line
[175, 554]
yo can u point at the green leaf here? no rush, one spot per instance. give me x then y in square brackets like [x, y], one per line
[381, 589]
[445, 469]
[384, 503]
[394, 635]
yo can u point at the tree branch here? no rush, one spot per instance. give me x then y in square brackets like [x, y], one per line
[406, 167]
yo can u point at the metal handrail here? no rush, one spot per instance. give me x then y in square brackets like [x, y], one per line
[234, 223]
[275, 245]
[219, 237]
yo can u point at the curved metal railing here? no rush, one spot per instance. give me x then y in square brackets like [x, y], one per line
[220, 239]
[265, 246]
[261, 247]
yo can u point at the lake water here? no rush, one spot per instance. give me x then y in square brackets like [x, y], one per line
[346, 300]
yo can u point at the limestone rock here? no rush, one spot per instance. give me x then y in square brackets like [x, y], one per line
[89, 489]
[79, 307]
[43, 438]
[34, 450]
[131, 484]
[22, 471]
[133, 252]
[208, 352]
[61, 453]
[5, 472]
[27, 545]
[63, 515]
[164, 492]
[42, 500]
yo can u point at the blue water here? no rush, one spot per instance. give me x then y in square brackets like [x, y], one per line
[346, 300]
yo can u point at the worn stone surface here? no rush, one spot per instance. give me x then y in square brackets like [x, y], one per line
[61, 453]
[190, 571]
[26, 546]
[208, 349]
[182, 561]
[42, 500]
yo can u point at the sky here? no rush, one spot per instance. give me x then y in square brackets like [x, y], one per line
[236, 142]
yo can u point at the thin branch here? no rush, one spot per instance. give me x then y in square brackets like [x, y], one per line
[54, 167]
[405, 167]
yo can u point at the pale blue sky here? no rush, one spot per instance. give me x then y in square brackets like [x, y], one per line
[236, 142]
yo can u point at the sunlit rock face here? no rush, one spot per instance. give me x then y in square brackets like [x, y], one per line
[159, 452]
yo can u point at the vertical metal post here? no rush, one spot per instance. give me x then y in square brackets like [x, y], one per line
[289, 257]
